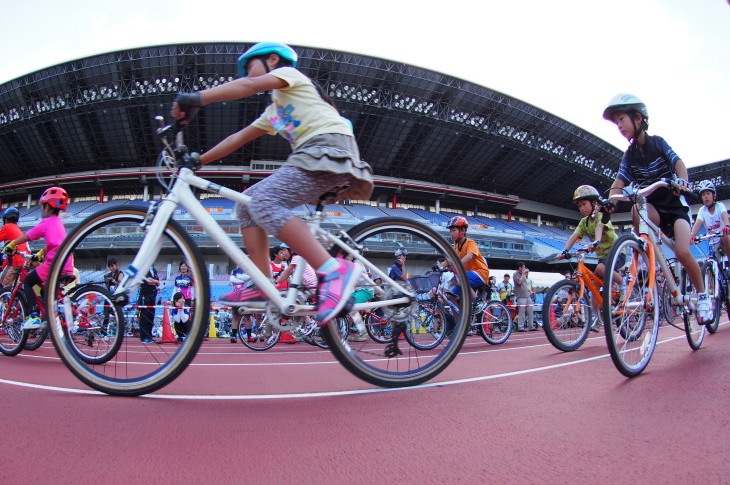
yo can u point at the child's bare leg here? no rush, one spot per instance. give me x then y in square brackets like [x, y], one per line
[256, 241]
[684, 255]
[297, 235]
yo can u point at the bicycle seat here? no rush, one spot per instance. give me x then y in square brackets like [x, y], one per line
[66, 279]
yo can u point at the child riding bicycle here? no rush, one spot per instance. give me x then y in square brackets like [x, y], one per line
[476, 266]
[596, 225]
[9, 232]
[648, 159]
[324, 159]
[712, 215]
[53, 201]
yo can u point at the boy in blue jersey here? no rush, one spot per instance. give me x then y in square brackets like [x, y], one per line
[648, 159]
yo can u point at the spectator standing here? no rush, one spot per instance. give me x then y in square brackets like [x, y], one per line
[505, 288]
[111, 281]
[184, 283]
[522, 296]
[146, 301]
[398, 270]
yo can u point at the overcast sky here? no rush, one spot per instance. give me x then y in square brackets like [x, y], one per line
[564, 56]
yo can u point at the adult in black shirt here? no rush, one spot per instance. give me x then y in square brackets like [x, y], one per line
[146, 301]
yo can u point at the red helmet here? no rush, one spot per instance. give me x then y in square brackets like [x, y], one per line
[56, 197]
[457, 221]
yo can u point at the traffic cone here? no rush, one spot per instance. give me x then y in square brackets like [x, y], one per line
[212, 332]
[287, 338]
[167, 335]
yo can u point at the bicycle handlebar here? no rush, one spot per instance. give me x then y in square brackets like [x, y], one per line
[631, 191]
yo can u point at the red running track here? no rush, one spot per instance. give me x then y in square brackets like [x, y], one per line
[520, 413]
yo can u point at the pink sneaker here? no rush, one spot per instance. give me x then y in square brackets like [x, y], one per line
[245, 295]
[334, 291]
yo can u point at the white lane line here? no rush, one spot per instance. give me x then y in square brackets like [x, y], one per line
[248, 397]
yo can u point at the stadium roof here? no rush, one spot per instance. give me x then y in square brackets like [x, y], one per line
[89, 124]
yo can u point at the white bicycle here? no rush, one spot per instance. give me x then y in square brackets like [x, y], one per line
[149, 233]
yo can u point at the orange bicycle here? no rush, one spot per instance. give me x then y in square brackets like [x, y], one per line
[571, 306]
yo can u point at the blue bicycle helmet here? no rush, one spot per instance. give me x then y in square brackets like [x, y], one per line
[264, 49]
[11, 213]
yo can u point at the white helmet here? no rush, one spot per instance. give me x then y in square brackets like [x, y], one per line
[622, 103]
[706, 185]
[401, 252]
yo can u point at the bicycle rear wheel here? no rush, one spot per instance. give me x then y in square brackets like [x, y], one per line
[693, 329]
[317, 337]
[379, 328]
[396, 363]
[426, 328]
[496, 323]
[263, 336]
[12, 316]
[566, 317]
[712, 287]
[97, 330]
[630, 323]
[135, 368]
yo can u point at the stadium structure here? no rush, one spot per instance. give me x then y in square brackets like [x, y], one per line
[438, 145]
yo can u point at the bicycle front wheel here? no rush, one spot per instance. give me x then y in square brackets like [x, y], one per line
[496, 323]
[134, 368]
[425, 331]
[396, 363]
[97, 330]
[712, 287]
[36, 338]
[566, 316]
[12, 312]
[630, 317]
[693, 329]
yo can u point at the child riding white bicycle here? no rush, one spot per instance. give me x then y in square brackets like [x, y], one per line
[324, 159]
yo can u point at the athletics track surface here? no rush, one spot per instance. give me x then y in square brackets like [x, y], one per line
[518, 413]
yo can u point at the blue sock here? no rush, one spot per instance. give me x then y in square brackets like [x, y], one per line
[329, 266]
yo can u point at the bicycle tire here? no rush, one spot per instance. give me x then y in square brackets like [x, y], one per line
[568, 323]
[426, 330]
[136, 368]
[712, 287]
[36, 338]
[381, 331]
[317, 337]
[95, 335]
[12, 336]
[402, 365]
[694, 331]
[496, 323]
[263, 336]
[631, 325]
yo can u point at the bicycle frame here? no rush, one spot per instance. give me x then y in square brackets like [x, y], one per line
[585, 277]
[161, 212]
[717, 260]
[652, 237]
